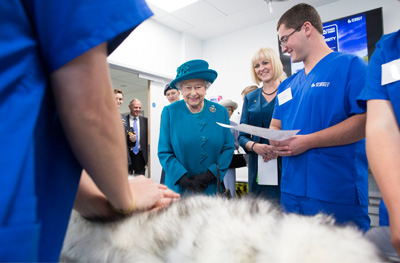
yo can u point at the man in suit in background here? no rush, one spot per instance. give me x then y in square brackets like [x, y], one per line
[137, 142]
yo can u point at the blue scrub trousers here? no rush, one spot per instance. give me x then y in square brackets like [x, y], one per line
[343, 213]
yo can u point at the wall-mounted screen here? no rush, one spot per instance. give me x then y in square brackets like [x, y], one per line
[356, 34]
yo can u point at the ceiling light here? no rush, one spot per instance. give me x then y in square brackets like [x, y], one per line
[269, 2]
[171, 5]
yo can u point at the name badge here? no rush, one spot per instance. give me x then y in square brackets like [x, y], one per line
[285, 96]
[390, 72]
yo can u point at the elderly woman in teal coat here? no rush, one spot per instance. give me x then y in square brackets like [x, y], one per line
[192, 146]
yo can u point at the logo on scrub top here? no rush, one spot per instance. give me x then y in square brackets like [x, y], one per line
[320, 84]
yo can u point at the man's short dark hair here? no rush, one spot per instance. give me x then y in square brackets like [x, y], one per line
[118, 91]
[298, 15]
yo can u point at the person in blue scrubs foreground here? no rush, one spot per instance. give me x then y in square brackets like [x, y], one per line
[324, 167]
[58, 115]
[382, 96]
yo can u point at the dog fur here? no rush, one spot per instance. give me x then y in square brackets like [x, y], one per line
[214, 229]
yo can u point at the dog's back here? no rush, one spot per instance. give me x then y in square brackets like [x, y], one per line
[212, 229]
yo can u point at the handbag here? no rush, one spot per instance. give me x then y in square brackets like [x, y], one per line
[238, 161]
[222, 191]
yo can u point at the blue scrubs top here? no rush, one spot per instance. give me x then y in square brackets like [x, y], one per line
[39, 173]
[387, 50]
[193, 143]
[323, 98]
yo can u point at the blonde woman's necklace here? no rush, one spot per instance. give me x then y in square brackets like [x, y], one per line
[262, 90]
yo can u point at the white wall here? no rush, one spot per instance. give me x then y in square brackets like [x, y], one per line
[156, 49]
[158, 103]
[192, 48]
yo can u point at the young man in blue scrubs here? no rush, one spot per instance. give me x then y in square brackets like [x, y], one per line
[382, 95]
[54, 75]
[324, 168]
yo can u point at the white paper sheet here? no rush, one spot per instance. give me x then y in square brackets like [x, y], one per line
[267, 171]
[275, 135]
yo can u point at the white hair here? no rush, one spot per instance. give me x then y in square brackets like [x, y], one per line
[179, 84]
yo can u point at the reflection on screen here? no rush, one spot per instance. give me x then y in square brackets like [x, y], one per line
[347, 35]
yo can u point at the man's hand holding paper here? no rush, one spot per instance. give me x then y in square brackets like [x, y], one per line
[292, 146]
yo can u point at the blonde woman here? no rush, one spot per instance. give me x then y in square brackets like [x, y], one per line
[258, 106]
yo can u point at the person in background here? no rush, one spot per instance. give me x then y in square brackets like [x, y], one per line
[54, 57]
[243, 187]
[192, 147]
[171, 94]
[324, 167]
[230, 176]
[248, 89]
[137, 143]
[381, 94]
[119, 97]
[245, 91]
[258, 107]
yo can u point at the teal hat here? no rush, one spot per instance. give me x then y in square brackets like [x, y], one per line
[194, 69]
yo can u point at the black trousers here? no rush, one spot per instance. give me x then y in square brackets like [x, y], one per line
[162, 179]
[138, 163]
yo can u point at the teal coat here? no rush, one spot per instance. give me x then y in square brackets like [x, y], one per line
[193, 143]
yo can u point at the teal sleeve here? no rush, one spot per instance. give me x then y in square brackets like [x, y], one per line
[172, 167]
[226, 154]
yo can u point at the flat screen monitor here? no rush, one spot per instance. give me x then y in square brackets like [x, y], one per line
[356, 34]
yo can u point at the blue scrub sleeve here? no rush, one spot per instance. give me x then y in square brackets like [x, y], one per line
[373, 88]
[355, 84]
[282, 87]
[225, 157]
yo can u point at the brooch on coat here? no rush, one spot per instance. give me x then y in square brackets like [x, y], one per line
[212, 109]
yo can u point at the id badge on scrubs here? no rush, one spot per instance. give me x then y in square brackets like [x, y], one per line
[390, 72]
[285, 96]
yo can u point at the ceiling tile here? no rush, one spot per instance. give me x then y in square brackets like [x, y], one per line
[198, 14]
[157, 12]
[174, 23]
[230, 7]
[209, 18]
[250, 17]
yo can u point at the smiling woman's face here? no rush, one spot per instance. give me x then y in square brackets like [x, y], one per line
[264, 70]
[193, 92]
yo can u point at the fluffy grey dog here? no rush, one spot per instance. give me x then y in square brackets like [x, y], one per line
[212, 229]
